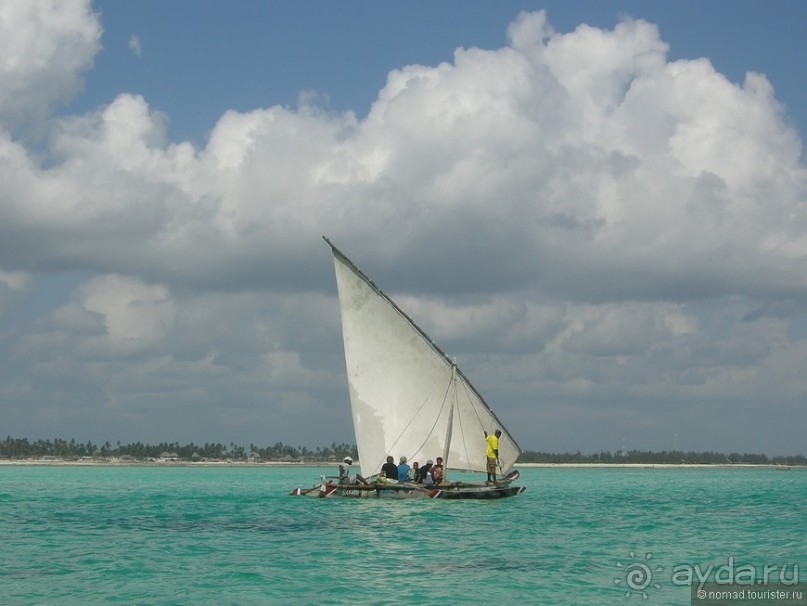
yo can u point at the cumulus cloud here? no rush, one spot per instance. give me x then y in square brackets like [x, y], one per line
[45, 47]
[593, 220]
[585, 151]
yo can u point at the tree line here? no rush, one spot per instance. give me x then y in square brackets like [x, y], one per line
[22, 448]
[667, 457]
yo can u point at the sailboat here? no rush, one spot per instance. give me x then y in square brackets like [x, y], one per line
[408, 398]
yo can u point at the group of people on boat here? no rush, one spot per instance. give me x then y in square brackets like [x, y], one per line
[429, 474]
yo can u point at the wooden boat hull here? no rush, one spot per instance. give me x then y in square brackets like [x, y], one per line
[409, 491]
[482, 492]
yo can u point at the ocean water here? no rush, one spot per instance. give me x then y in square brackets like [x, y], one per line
[233, 535]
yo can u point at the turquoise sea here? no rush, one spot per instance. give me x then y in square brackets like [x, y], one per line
[233, 535]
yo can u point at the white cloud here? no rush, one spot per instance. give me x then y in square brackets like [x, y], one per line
[587, 149]
[134, 313]
[45, 47]
[580, 210]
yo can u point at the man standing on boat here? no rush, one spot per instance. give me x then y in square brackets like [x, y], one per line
[492, 453]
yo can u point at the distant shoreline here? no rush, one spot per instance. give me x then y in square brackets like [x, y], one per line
[117, 463]
[88, 463]
[663, 465]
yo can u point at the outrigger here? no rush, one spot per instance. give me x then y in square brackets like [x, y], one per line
[329, 486]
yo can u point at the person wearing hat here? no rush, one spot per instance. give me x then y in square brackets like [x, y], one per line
[344, 470]
[403, 470]
[423, 471]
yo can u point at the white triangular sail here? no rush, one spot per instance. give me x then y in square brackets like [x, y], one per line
[402, 395]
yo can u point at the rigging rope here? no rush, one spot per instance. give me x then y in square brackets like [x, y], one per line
[417, 412]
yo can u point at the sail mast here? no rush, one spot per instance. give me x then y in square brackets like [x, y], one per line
[450, 424]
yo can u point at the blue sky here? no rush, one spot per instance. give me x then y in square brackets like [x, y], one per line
[201, 58]
[598, 207]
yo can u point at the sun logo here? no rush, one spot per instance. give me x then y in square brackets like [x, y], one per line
[638, 575]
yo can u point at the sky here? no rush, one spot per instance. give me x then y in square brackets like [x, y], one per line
[599, 208]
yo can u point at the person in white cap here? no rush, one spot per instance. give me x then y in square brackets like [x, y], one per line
[403, 470]
[424, 472]
[344, 470]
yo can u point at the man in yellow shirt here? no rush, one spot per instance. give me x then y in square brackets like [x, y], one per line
[492, 453]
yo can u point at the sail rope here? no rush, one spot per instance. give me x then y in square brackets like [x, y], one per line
[436, 419]
[417, 412]
[475, 406]
[469, 395]
[462, 434]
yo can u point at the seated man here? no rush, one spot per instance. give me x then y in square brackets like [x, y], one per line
[403, 470]
[423, 472]
[437, 471]
[389, 470]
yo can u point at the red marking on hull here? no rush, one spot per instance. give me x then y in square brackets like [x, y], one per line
[325, 490]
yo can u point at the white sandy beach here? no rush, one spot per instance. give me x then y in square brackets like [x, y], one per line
[113, 463]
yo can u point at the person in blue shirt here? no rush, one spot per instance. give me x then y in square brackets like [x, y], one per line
[403, 470]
